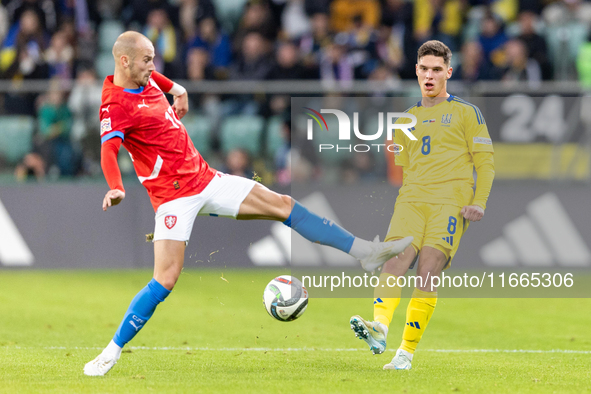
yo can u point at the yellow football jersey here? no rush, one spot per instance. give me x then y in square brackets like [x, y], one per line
[438, 167]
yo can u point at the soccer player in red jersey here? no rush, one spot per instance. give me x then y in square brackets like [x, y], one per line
[181, 185]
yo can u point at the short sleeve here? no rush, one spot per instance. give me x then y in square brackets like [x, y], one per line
[401, 151]
[476, 131]
[163, 83]
[114, 122]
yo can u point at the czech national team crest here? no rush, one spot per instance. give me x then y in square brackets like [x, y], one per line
[169, 221]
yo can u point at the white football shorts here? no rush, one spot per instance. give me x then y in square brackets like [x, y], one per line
[221, 197]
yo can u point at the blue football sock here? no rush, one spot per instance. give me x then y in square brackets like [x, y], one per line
[140, 310]
[317, 229]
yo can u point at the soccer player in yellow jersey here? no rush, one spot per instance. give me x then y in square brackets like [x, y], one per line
[435, 203]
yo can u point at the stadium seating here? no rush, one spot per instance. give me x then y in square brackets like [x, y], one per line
[199, 129]
[563, 46]
[16, 132]
[229, 12]
[104, 64]
[107, 34]
[242, 131]
[274, 135]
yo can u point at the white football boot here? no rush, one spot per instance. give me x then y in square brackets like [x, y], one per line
[372, 332]
[101, 365]
[384, 251]
[401, 360]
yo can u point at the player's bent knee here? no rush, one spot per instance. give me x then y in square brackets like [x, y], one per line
[168, 274]
[167, 280]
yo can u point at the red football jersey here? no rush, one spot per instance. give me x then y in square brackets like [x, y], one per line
[164, 157]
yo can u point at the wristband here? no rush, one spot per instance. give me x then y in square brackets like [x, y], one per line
[177, 90]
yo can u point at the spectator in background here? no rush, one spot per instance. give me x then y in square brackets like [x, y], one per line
[81, 31]
[254, 62]
[192, 12]
[60, 56]
[217, 46]
[84, 104]
[518, 66]
[492, 39]
[53, 151]
[200, 69]
[55, 124]
[361, 42]
[473, 67]
[32, 164]
[313, 7]
[257, 17]
[70, 31]
[238, 163]
[534, 6]
[44, 9]
[507, 10]
[313, 43]
[287, 62]
[335, 65]
[396, 45]
[21, 57]
[287, 66]
[163, 35]
[438, 20]
[385, 80]
[536, 44]
[562, 12]
[344, 13]
[198, 65]
[294, 21]
[135, 13]
[397, 12]
[389, 48]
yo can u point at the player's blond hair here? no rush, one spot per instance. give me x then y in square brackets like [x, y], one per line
[435, 48]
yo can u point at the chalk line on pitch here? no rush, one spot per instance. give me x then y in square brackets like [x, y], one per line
[311, 349]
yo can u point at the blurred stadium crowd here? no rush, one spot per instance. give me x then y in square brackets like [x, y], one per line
[336, 41]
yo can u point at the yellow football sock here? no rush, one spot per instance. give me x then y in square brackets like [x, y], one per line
[419, 312]
[386, 299]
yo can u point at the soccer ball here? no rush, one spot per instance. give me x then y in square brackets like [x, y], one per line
[285, 298]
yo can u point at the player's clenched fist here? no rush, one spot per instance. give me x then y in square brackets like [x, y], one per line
[181, 105]
[113, 197]
[472, 212]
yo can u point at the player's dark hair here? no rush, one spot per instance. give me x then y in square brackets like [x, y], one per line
[435, 48]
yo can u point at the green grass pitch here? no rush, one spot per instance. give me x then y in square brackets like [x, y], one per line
[213, 335]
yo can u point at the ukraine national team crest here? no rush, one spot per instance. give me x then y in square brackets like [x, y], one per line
[170, 221]
[446, 119]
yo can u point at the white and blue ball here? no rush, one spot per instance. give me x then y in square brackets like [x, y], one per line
[285, 298]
